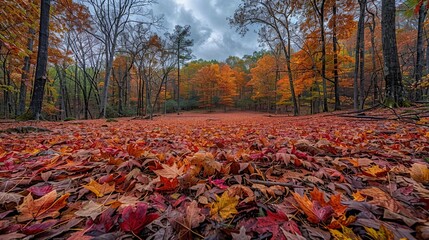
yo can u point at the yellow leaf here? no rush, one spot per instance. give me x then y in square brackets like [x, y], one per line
[98, 189]
[382, 234]
[346, 234]
[374, 171]
[420, 172]
[357, 196]
[224, 207]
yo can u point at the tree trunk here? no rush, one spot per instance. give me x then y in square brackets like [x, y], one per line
[178, 77]
[42, 62]
[392, 72]
[335, 43]
[109, 64]
[287, 51]
[61, 76]
[323, 42]
[362, 56]
[418, 72]
[374, 81]
[357, 95]
[25, 74]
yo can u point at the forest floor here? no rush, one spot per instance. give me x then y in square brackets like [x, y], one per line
[218, 176]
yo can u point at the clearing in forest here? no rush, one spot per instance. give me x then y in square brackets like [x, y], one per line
[216, 176]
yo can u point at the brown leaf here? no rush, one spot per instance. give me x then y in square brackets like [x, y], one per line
[193, 215]
[383, 199]
[170, 171]
[420, 173]
[242, 192]
[241, 235]
[6, 197]
[91, 209]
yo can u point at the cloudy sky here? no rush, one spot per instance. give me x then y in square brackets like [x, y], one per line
[212, 34]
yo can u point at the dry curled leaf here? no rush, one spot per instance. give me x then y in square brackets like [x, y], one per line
[420, 172]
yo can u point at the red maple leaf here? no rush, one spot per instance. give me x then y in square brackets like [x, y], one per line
[273, 223]
[40, 191]
[135, 219]
[105, 222]
[168, 185]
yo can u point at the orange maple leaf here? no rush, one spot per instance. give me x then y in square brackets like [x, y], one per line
[357, 196]
[99, 189]
[334, 202]
[170, 171]
[46, 206]
[314, 211]
[375, 171]
[341, 221]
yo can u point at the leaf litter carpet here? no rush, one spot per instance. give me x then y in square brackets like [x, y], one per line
[215, 176]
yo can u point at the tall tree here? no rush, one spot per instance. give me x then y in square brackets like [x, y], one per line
[358, 86]
[111, 18]
[421, 9]
[273, 16]
[181, 46]
[319, 9]
[392, 72]
[335, 50]
[42, 61]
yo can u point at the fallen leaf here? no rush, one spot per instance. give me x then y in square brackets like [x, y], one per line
[170, 171]
[167, 184]
[46, 206]
[224, 207]
[274, 222]
[357, 196]
[374, 171]
[334, 202]
[39, 227]
[383, 199]
[420, 173]
[241, 235]
[105, 222]
[14, 235]
[91, 209]
[99, 189]
[40, 190]
[6, 197]
[382, 234]
[342, 221]
[193, 215]
[243, 192]
[314, 211]
[346, 234]
[220, 183]
[134, 219]
[191, 219]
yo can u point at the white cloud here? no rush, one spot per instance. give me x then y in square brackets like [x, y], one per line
[212, 34]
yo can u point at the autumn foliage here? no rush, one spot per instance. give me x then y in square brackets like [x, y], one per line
[217, 176]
